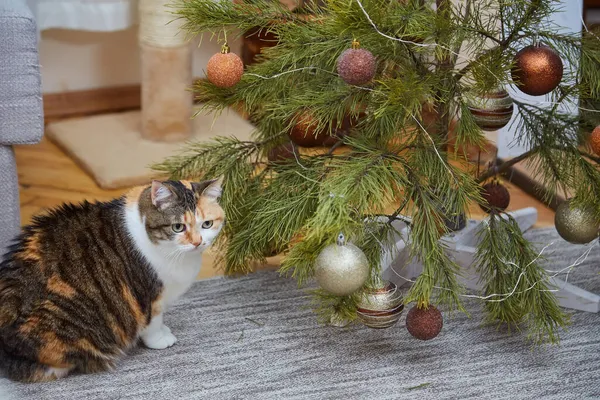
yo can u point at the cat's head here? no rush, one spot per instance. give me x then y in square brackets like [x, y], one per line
[181, 214]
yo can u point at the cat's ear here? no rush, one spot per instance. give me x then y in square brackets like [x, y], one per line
[214, 189]
[161, 195]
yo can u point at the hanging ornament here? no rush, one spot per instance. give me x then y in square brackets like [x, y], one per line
[282, 153]
[537, 70]
[491, 111]
[356, 66]
[575, 224]
[424, 323]
[380, 306]
[595, 140]
[341, 268]
[455, 222]
[348, 122]
[496, 197]
[304, 133]
[224, 69]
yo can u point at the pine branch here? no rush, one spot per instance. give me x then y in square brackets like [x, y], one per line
[300, 205]
[513, 36]
[533, 7]
[499, 169]
[592, 157]
[514, 282]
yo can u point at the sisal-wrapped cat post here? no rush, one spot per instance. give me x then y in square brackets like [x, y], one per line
[166, 75]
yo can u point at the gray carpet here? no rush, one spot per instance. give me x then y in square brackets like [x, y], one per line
[285, 354]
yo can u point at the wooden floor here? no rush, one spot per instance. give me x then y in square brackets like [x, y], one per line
[47, 178]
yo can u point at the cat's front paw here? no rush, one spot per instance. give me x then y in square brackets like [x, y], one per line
[161, 339]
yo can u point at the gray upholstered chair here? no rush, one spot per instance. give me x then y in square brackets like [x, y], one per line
[21, 112]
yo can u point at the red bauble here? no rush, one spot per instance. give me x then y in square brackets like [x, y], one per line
[537, 70]
[595, 140]
[356, 66]
[424, 323]
[496, 196]
[283, 152]
[224, 69]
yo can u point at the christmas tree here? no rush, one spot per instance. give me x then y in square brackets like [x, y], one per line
[389, 94]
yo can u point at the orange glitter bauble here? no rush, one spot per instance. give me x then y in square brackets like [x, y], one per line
[595, 140]
[537, 70]
[225, 69]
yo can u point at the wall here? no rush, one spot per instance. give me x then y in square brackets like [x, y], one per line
[78, 60]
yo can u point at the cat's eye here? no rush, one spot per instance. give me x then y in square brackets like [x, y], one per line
[178, 228]
[207, 224]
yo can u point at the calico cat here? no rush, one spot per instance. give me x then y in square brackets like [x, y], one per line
[82, 283]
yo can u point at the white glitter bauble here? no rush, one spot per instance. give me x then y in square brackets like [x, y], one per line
[341, 268]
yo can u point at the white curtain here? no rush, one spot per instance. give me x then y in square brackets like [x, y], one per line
[87, 15]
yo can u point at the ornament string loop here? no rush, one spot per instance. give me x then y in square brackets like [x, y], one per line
[341, 239]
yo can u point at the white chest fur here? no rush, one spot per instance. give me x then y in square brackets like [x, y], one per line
[177, 270]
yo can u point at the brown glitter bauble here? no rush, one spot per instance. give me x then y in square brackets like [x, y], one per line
[424, 323]
[282, 153]
[595, 140]
[225, 69]
[496, 196]
[537, 70]
[304, 133]
[356, 66]
[491, 111]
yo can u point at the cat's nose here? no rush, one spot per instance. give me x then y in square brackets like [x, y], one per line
[197, 243]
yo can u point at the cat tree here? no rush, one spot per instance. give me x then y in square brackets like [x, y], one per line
[117, 149]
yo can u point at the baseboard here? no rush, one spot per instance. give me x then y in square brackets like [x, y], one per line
[523, 178]
[91, 101]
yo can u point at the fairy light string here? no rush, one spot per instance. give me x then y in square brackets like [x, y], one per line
[424, 45]
[504, 296]
[493, 297]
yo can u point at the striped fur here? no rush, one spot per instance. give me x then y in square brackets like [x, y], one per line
[83, 282]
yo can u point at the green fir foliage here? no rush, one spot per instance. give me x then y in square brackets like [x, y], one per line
[397, 156]
[517, 288]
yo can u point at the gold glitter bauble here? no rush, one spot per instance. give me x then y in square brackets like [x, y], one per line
[380, 307]
[595, 140]
[491, 111]
[576, 225]
[341, 268]
[537, 70]
[225, 69]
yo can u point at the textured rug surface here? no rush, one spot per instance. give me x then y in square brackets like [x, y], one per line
[254, 338]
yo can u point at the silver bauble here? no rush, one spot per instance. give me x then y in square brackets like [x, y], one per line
[381, 306]
[341, 268]
[576, 225]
